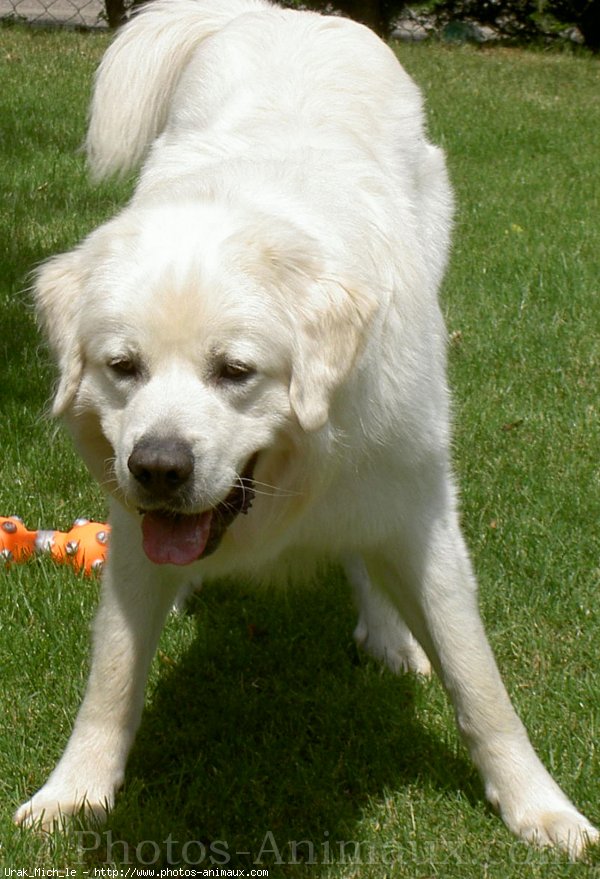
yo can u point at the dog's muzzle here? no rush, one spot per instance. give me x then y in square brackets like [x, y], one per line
[163, 469]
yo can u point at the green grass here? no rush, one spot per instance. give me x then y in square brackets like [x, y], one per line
[263, 724]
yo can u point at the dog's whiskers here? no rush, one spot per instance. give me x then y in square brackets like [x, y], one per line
[263, 488]
[110, 482]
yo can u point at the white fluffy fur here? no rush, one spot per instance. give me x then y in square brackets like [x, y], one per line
[291, 213]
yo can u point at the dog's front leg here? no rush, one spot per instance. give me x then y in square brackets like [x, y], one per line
[428, 575]
[135, 598]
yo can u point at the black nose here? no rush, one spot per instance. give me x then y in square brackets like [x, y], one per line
[161, 465]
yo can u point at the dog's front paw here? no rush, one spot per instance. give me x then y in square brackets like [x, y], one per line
[567, 830]
[554, 822]
[54, 803]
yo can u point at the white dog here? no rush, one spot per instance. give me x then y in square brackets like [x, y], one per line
[252, 362]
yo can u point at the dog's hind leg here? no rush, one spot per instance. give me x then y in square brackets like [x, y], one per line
[380, 631]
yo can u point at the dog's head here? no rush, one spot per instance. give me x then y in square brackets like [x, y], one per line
[190, 344]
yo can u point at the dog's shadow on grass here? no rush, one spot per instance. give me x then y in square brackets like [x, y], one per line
[272, 730]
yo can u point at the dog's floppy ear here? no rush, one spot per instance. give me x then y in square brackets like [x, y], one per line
[330, 333]
[329, 316]
[57, 290]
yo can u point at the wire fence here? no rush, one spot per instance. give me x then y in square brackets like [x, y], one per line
[95, 14]
[74, 13]
[412, 26]
[98, 13]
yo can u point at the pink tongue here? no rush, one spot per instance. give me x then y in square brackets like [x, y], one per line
[175, 540]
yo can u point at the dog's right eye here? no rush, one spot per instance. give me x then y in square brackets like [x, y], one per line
[124, 367]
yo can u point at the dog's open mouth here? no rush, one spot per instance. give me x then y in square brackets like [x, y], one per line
[174, 538]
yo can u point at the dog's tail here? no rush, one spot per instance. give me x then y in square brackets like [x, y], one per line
[139, 73]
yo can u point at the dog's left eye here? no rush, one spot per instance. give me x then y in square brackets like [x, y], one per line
[234, 371]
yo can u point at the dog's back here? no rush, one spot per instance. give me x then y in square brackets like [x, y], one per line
[210, 74]
[239, 57]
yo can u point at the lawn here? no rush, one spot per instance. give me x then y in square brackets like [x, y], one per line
[268, 742]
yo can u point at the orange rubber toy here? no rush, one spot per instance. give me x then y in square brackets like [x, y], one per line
[84, 546]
